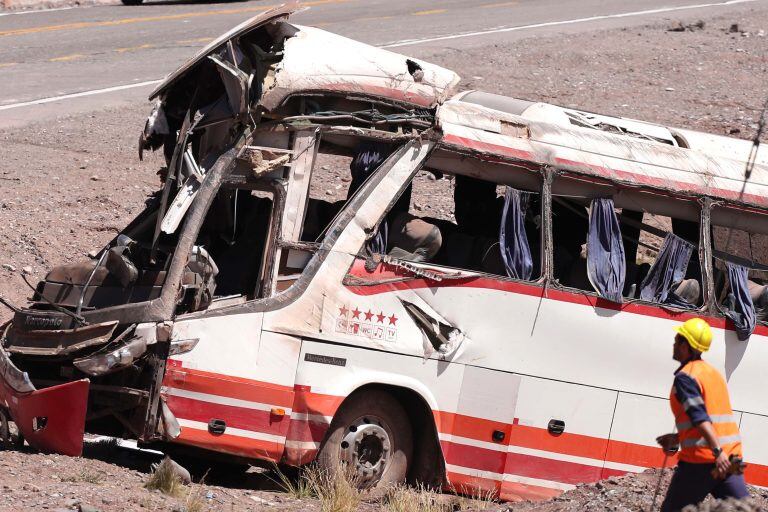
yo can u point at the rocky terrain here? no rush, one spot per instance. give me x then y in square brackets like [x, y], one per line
[67, 187]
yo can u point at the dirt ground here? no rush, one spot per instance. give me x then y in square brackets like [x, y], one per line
[68, 186]
[34, 482]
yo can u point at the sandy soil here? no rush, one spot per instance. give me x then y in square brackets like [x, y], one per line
[68, 186]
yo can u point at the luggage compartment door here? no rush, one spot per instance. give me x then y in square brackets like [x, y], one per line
[559, 438]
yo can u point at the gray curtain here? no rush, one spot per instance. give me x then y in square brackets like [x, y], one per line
[513, 241]
[667, 272]
[606, 265]
[739, 308]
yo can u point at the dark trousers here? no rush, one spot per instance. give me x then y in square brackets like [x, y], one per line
[692, 482]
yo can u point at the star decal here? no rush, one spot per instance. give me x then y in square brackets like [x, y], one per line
[368, 315]
[343, 311]
[356, 313]
[380, 317]
[393, 319]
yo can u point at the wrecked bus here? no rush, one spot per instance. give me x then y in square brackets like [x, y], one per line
[350, 261]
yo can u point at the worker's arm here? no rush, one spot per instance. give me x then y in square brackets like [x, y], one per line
[707, 431]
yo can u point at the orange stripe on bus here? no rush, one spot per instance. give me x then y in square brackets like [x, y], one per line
[469, 426]
[236, 445]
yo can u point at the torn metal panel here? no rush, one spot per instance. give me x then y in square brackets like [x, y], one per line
[648, 161]
[356, 68]
[51, 419]
[269, 16]
[305, 147]
[57, 342]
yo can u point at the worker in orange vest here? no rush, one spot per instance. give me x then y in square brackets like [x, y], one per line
[707, 431]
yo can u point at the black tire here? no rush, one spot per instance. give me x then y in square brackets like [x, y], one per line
[131, 2]
[372, 409]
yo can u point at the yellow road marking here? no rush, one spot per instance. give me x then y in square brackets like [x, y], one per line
[128, 21]
[431, 11]
[500, 4]
[375, 18]
[198, 40]
[132, 48]
[7, 64]
[66, 58]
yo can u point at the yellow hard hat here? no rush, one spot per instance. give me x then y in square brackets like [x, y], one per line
[697, 332]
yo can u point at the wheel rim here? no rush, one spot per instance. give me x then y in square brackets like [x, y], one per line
[366, 450]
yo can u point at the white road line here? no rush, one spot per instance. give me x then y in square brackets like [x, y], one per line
[79, 94]
[35, 12]
[499, 30]
[409, 42]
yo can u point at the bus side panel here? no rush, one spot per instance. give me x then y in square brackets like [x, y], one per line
[475, 439]
[327, 374]
[637, 422]
[753, 431]
[542, 462]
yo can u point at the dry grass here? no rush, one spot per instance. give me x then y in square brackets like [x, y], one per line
[165, 479]
[337, 490]
[415, 499]
[419, 499]
[195, 500]
[299, 488]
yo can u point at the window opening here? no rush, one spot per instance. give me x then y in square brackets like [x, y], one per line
[630, 226]
[663, 261]
[740, 267]
[228, 254]
[456, 221]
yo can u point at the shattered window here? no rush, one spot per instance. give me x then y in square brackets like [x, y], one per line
[733, 246]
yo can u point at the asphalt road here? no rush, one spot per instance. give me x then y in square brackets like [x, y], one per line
[83, 51]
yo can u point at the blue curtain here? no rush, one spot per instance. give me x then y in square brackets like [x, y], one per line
[513, 240]
[741, 310]
[667, 272]
[368, 157]
[606, 265]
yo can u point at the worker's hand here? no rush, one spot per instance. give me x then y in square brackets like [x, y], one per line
[670, 443]
[722, 465]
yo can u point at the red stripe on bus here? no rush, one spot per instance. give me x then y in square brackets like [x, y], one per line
[235, 417]
[473, 457]
[300, 430]
[228, 386]
[235, 445]
[514, 491]
[580, 297]
[471, 485]
[316, 403]
[549, 469]
[636, 454]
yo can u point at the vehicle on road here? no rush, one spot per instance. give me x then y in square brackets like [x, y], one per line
[478, 346]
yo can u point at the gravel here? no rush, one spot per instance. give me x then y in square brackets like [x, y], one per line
[68, 186]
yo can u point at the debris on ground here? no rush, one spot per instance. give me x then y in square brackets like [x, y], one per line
[679, 26]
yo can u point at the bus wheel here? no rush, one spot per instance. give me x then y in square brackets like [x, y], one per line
[370, 439]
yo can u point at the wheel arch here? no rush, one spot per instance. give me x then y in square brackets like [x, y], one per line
[428, 465]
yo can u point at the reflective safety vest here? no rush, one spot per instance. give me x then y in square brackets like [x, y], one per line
[714, 393]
